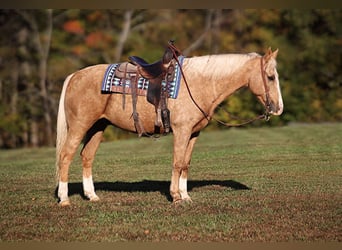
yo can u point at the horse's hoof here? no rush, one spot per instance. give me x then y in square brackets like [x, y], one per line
[64, 203]
[182, 202]
[187, 200]
[91, 196]
[94, 198]
[177, 201]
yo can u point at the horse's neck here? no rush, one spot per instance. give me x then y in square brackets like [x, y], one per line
[220, 76]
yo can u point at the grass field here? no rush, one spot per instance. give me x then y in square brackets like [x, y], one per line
[257, 184]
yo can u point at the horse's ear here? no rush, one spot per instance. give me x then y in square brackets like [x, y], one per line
[269, 54]
[275, 53]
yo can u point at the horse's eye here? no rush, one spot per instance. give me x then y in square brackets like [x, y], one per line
[271, 78]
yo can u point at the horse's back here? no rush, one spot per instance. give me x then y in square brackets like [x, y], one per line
[86, 81]
[86, 101]
[83, 96]
[93, 73]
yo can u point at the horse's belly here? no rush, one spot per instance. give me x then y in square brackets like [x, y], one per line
[122, 116]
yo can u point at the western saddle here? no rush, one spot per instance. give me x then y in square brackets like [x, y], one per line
[157, 94]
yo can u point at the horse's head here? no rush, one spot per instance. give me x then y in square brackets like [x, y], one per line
[265, 84]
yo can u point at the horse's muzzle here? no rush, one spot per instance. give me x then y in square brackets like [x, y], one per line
[275, 109]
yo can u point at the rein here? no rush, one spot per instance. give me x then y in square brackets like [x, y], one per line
[265, 116]
[174, 50]
[267, 89]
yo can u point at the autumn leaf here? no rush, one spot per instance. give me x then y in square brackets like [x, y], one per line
[95, 39]
[79, 49]
[73, 26]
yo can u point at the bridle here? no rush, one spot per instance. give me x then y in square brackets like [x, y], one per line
[176, 52]
[267, 89]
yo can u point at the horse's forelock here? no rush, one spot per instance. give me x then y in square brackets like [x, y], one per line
[271, 66]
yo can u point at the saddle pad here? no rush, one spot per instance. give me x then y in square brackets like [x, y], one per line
[113, 84]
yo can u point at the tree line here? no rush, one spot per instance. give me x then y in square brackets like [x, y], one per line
[39, 48]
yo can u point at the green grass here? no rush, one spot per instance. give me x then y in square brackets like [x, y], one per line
[257, 184]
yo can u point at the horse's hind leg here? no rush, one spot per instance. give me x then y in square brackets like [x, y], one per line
[67, 153]
[91, 144]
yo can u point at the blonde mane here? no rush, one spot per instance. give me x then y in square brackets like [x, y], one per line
[219, 65]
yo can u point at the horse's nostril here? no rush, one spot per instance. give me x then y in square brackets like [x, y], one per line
[278, 111]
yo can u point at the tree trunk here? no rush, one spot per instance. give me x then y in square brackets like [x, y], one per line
[41, 42]
[126, 27]
[199, 41]
[44, 54]
[216, 30]
[14, 103]
[34, 133]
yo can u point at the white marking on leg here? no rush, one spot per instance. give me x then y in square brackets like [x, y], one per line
[63, 193]
[183, 188]
[89, 189]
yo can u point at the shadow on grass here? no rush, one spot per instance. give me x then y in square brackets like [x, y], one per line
[151, 186]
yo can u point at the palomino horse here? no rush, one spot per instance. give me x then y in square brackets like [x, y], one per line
[84, 112]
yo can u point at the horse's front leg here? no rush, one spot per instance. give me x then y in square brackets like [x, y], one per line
[182, 149]
[183, 187]
[180, 143]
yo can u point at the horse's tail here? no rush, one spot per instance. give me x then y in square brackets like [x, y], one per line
[62, 128]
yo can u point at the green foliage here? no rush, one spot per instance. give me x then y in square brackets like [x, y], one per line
[10, 123]
[309, 60]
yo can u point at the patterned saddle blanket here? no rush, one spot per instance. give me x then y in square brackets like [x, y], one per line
[111, 83]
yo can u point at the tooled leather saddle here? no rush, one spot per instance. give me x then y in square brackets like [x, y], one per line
[155, 73]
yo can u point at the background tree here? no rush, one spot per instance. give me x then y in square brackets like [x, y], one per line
[39, 48]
